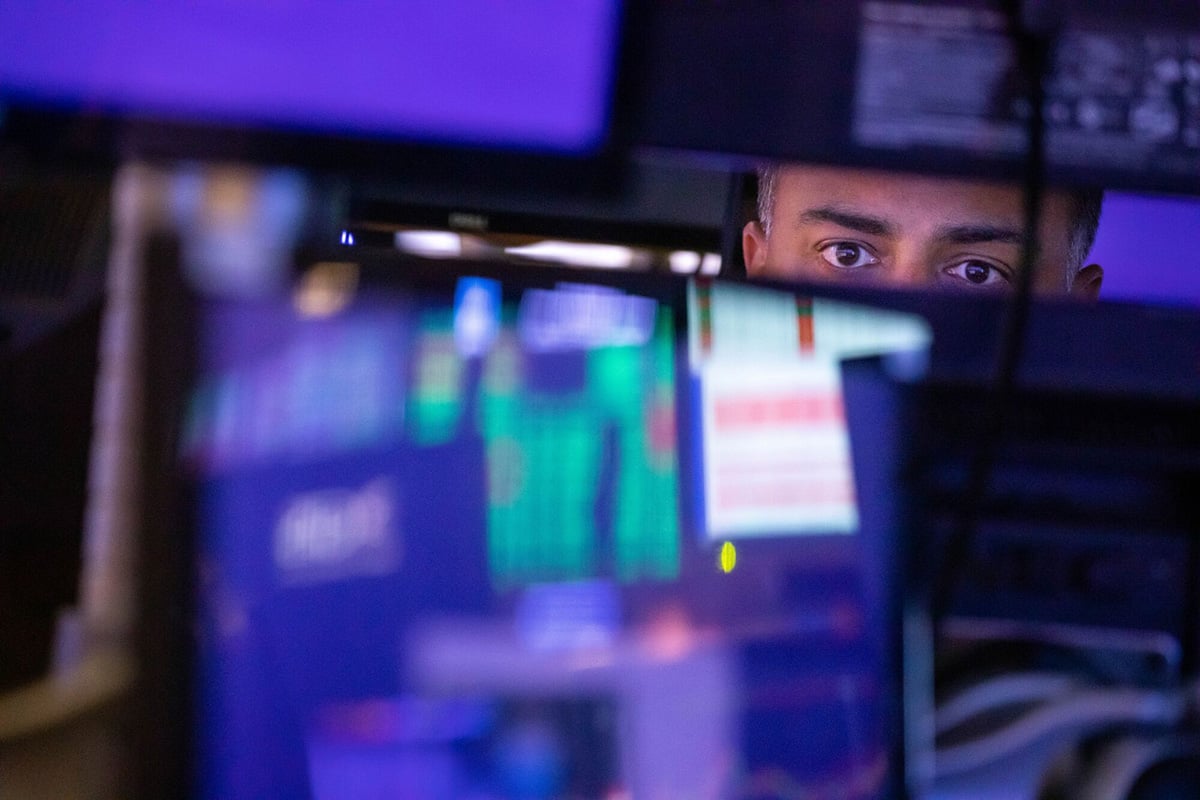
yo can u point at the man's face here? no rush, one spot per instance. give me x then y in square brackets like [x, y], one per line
[847, 225]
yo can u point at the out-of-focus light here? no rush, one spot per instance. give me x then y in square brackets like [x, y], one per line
[669, 635]
[347, 238]
[710, 264]
[603, 256]
[327, 288]
[570, 616]
[476, 315]
[684, 261]
[432, 244]
[728, 557]
[579, 316]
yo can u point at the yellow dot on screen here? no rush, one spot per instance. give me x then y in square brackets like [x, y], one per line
[728, 557]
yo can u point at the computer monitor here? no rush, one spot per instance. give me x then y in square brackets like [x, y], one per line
[361, 86]
[943, 87]
[444, 543]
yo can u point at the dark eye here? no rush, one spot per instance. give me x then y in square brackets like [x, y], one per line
[977, 273]
[848, 255]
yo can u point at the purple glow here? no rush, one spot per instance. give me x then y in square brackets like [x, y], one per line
[1149, 247]
[524, 73]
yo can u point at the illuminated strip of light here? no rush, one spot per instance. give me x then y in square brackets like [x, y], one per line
[603, 256]
[432, 244]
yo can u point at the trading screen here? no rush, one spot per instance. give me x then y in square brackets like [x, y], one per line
[443, 548]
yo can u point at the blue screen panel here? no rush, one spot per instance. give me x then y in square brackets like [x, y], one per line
[527, 75]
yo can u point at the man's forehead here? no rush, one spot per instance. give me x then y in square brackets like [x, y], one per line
[930, 201]
[921, 205]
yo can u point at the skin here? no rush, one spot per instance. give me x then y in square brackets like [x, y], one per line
[831, 224]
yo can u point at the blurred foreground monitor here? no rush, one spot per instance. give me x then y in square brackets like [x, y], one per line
[469, 535]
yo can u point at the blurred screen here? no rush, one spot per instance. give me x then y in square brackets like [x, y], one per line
[937, 86]
[772, 436]
[565, 397]
[527, 75]
[441, 554]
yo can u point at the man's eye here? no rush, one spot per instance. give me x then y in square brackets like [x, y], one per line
[978, 273]
[848, 255]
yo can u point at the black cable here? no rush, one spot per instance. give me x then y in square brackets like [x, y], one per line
[1033, 53]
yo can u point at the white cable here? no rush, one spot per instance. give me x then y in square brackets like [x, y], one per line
[1087, 710]
[999, 692]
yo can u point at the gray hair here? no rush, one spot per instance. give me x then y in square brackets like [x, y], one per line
[768, 178]
[1086, 205]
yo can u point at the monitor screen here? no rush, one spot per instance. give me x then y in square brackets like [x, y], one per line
[445, 547]
[527, 75]
[938, 86]
[771, 430]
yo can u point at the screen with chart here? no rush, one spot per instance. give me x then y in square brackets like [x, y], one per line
[445, 545]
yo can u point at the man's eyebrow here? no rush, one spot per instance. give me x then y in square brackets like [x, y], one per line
[979, 234]
[848, 219]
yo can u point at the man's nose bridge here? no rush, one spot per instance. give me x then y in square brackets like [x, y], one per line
[910, 267]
